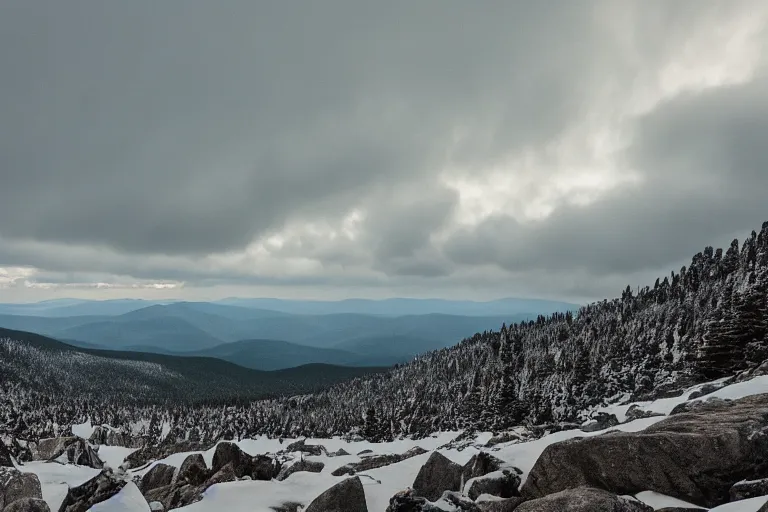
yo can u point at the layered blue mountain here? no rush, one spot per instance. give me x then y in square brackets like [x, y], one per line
[251, 335]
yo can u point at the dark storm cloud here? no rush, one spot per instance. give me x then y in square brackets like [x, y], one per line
[140, 138]
[705, 166]
[156, 127]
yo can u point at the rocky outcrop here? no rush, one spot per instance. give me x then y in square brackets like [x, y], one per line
[438, 475]
[303, 447]
[341, 452]
[694, 456]
[346, 496]
[69, 449]
[406, 501]
[174, 496]
[189, 483]
[635, 413]
[225, 474]
[48, 449]
[480, 465]
[749, 489]
[28, 505]
[150, 453]
[504, 484]
[193, 471]
[601, 422]
[15, 486]
[230, 453]
[458, 501]
[159, 476]
[377, 461]
[302, 465]
[100, 488]
[499, 505]
[5, 457]
[82, 454]
[583, 499]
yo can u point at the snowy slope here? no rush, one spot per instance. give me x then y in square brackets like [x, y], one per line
[380, 484]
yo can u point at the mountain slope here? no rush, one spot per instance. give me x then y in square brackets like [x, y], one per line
[166, 332]
[276, 354]
[707, 321]
[43, 364]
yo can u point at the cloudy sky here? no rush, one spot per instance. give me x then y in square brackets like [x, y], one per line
[335, 149]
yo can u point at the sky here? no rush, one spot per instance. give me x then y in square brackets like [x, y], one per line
[336, 149]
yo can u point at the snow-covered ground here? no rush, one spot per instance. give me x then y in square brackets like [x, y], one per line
[380, 484]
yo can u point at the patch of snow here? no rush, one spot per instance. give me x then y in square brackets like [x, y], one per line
[750, 505]
[657, 500]
[83, 430]
[755, 386]
[56, 479]
[114, 455]
[664, 406]
[262, 496]
[129, 499]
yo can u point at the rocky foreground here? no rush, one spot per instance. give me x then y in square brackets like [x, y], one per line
[710, 453]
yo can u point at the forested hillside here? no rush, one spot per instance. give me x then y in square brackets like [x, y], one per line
[705, 321]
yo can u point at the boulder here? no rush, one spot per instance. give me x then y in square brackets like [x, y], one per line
[225, 474]
[705, 390]
[48, 449]
[438, 475]
[309, 449]
[346, 496]
[693, 456]
[504, 484]
[15, 485]
[159, 476]
[583, 499]
[193, 471]
[749, 489]
[230, 453]
[341, 452]
[601, 422]
[377, 461]
[82, 454]
[174, 496]
[69, 449]
[364, 452]
[263, 467]
[5, 457]
[457, 501]
[100, 488]
[635, 413]
[157, 452]
[499, 505]
[405, 501]
[302, 465]
[28, 505]
[480, 465]
[23, 451]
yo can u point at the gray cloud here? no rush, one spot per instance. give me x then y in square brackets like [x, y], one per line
[152, 142]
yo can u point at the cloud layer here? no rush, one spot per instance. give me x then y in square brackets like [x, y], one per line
[340, 149]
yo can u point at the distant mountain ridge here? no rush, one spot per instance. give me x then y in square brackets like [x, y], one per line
[199, 327]
[385, 307]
